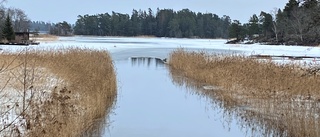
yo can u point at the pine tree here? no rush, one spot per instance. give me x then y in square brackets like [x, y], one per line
[235, 30]
[7, 31]
[254, 26]
[290, 7]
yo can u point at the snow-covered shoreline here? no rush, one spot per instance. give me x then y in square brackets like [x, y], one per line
[12, 113]
[114, 44]
[119, 44]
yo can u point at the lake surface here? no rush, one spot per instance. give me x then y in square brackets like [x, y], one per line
[154, 101]
[151, 104]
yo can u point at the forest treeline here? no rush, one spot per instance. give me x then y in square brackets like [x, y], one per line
[297, 24]
[163, 23]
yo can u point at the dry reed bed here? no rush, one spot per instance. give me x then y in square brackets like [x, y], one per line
[248, 76]
[44, 38]
[270, 99]
[60, 93]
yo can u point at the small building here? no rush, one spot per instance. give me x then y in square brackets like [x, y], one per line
[22, 37]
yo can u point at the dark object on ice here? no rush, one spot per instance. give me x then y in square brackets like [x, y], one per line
[165, 60]
[233, 41]
[249, 42]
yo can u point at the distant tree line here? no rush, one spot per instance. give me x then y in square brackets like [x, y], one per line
[59, 29]
[164, 23]
[297, 24]
[12, 20]
[37, 26]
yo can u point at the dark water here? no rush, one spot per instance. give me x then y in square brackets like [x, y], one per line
[150, 104]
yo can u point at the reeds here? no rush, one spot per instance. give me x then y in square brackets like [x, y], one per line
[250, 76]
[44, 37]
[65, 91]
[270, 99]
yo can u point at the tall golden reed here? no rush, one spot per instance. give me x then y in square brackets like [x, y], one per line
[247, 75]
[270, 99]
[84, 95]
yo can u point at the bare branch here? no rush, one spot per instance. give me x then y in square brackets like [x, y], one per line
[11, 123]
[274, 13]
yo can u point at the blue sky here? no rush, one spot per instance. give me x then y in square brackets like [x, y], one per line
[68, 10]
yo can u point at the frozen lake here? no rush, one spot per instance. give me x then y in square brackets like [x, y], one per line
[150, 103]
[123, 44]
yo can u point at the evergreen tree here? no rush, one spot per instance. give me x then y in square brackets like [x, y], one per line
[209, 25]
[149, 24]
[290, 6]
[253, 26]
[200, 23]
[79, 28]
[267, 24]
[310, 4]
[136, 24]
[282, 26]
[61, 29]
[311, 31]
[174, 28]
[298, 23]
[7, 31]
[235, 30]
[104, 24]
[163, 18]
[187, 22]
[226, 22]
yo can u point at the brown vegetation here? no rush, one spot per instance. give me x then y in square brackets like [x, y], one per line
[58, 93]
[270, 99]
[44, 37]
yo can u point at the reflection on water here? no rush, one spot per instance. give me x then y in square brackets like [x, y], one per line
[137, 61]
[99, 126]
[260, 116]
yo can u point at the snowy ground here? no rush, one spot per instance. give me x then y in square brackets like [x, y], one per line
[114, 44]
[117, 44]
[151, 46]
[39, 86]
